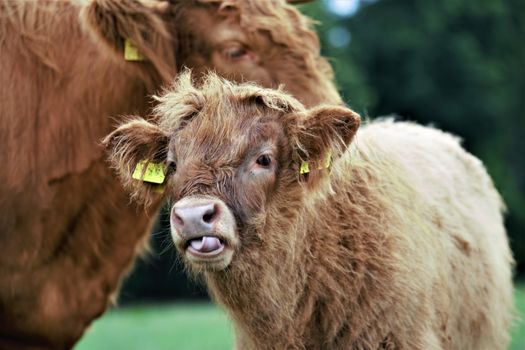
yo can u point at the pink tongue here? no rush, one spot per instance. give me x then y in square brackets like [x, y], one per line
[206, 244]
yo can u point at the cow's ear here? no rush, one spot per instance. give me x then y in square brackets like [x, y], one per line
[324, 134]
[134, 31]
[137, 149]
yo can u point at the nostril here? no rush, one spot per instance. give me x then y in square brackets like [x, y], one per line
[207, 218]
[178, 220]
[211, 214]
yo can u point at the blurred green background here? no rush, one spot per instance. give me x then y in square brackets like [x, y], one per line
[457, 65]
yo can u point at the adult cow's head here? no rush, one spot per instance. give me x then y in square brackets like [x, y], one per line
[235, 156]
[265, 41]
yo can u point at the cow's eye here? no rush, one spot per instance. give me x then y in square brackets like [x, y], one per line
[264, 160]
[172, 166]
[235, 52]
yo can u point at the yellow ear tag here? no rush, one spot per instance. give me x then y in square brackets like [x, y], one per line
[154, 172]
[131, 52]
[328, 160]
[305, 166]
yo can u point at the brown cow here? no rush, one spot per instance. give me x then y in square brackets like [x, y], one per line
[67, 230]
[312, 241]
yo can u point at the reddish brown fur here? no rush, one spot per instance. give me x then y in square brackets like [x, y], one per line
[349, 258]
[279, 47]
[68, 231]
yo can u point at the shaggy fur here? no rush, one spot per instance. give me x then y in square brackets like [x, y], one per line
[260, 41]
[67, 229]
[400, 245]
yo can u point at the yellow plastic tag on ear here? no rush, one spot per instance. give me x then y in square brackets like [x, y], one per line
[153, 173]
[305, 166]
[131, 52]
[328, 160]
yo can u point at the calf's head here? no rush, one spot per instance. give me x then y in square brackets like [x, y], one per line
[233, 156]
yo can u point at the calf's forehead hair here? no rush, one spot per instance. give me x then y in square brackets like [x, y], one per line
[217, 98]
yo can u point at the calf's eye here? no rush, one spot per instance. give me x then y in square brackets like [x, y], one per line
[172, 166]
[264, 160]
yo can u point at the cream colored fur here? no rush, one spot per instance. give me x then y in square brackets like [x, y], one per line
[452, 258]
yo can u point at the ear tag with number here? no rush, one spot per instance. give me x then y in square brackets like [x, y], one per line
[131, 52]
[153, 173]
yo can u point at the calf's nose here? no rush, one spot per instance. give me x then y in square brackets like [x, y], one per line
[194, 220]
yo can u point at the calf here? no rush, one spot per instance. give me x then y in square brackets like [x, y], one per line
[313, 235]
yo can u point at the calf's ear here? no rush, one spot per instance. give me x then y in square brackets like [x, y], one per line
[137, 142]
[325, 133]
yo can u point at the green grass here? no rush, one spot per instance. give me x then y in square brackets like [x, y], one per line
[518, 331]
[199, 326]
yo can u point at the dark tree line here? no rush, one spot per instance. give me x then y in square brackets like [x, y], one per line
[455, 64]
